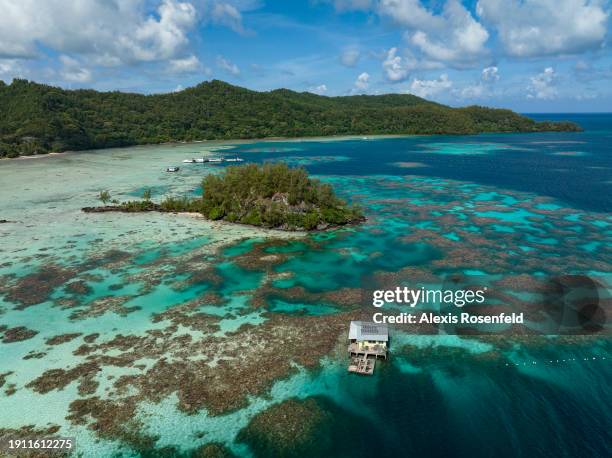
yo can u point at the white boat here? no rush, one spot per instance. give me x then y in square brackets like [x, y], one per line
[172, 169]
[204, 160]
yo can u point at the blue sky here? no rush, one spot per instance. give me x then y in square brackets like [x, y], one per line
[528, 55]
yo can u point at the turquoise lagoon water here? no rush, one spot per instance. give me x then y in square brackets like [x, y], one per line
[481, 205]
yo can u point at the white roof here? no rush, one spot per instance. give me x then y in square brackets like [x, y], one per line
[367, 330]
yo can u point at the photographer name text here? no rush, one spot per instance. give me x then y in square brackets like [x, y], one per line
[449, 318]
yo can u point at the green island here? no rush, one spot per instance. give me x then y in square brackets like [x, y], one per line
[274, 196]
[37, 118]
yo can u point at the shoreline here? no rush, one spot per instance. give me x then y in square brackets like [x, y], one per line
[38, 156]
[229, 142]
[221, 222]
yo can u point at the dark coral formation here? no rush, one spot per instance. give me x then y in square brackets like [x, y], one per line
[260, 258]
[255, 355]
[91, 337]
[286, 429]
[62, 338]
[37, 287]
[212, 450]
[100, 306]
[110, 259]
[188, 316]
[201, 372]
[78, 287]
[35, 355]
[111, 420]
[472, 249]
[11, 389]
[17, 334]
[58, 379]
[3, 377]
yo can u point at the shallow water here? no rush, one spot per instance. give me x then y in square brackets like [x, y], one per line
[480, 205]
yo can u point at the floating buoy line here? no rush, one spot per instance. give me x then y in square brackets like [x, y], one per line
[560, 361]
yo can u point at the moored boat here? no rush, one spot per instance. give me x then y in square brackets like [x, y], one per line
[205, 160]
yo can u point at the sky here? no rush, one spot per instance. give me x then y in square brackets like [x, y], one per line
[526, 55]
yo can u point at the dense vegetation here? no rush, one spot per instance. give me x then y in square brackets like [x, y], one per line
[271, 195]
[36, 118]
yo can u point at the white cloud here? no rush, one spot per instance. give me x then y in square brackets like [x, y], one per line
[228, 66]
[410, 13]
[72, 70]
[6, 66]
[10, 68]
[113, 32]
[228, 15]
[526, 28]
[13, 68]
[349, 57]
[453, 36]
[162, 38]
[490, 74]
[483, 88]
[190, 64]
[472, 91]
[319, 90]
[105, 60]
[430, 88]
[395, 68]
[542, 85]
[362, 82]
[546, 27]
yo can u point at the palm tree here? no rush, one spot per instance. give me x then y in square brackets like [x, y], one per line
[104, 196]
[146, 195]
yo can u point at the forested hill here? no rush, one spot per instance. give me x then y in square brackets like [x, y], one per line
[36, 118]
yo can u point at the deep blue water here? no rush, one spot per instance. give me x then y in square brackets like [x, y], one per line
[575, 167]
[457, 408]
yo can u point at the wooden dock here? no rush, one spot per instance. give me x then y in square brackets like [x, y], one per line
[362, 365]
[363, 360]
